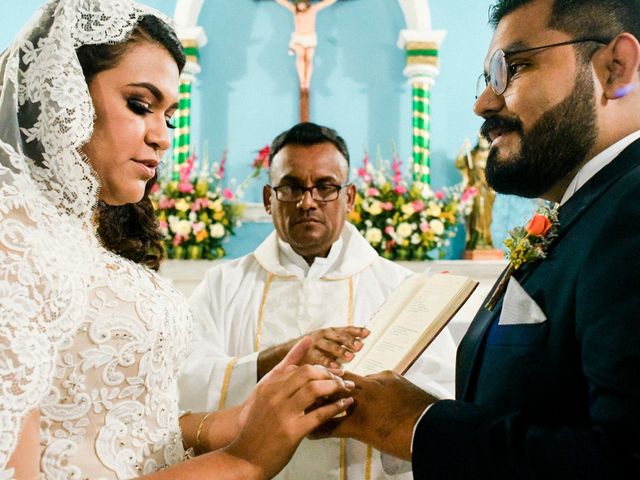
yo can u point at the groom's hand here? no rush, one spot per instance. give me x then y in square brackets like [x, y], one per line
[385, 411]
[331, 348]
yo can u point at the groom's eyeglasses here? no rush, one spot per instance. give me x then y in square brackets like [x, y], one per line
[500, 72]
[325, 192]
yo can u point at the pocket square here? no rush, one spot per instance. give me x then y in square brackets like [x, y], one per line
[518, 308]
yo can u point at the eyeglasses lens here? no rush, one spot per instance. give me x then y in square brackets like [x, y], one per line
[498, 72]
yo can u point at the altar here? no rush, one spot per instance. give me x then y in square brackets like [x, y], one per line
[186, 274]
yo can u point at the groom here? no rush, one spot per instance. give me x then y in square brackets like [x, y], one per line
[548, 382]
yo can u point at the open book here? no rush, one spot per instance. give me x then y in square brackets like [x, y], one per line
[409, 320]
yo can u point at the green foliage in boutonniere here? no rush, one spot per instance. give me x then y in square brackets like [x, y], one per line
[527, 244]
[530, 243]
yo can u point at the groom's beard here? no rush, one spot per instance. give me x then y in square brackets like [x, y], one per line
[555, 145]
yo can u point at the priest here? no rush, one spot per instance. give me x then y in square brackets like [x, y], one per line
[314, 275]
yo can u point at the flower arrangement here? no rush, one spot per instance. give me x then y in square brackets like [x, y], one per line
[405, 221]
[196, 214]
[527, 244]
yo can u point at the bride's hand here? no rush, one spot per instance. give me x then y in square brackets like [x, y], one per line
[283, 409]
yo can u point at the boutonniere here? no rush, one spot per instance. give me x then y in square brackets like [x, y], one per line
[527, 244]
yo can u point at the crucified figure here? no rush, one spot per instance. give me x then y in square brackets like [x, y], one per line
[304, 38]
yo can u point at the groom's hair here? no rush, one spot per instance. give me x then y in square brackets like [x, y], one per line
[582, 18]
[308, 134]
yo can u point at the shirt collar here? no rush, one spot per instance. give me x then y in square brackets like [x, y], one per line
[297, 265]
[597, 163]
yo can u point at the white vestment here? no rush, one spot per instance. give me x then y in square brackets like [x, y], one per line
[272, 296]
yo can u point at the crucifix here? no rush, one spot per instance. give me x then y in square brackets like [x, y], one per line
[303, 44]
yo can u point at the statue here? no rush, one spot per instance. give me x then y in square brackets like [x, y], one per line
[304, 38]
[471, 163]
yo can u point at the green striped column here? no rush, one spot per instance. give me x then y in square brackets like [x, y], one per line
[182, 133]
[421, 94]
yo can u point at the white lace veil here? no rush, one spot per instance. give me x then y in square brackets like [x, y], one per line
[47, 194]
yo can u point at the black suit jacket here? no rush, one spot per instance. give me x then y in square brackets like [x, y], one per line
[558, 399]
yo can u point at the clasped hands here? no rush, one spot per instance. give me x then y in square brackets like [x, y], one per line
[382, 408]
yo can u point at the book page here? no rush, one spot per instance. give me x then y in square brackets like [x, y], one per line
[387, 313]
[416, 324]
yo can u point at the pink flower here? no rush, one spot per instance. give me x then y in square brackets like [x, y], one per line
[387, 206]
[389, 230]
[155, 188]
[177, 240]
[372, 192]
[400, 189]
[468, 194]
[424, 227]
[163, 224]
[439, 195]
[228, 194]
[166, 203]
[418, 205]
[185, 187]
[223, 161]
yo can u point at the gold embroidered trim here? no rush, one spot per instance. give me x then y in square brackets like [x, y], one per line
[350, 313]
[367, 471]
[263, 302]
[343, 459]
[225, 383]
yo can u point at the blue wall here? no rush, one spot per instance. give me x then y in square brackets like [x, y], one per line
[247, 90]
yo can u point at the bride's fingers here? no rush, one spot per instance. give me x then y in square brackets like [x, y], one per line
[314, 418]
[291, 383]
[319, 390]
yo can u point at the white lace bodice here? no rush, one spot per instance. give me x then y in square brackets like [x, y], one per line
[112, 411]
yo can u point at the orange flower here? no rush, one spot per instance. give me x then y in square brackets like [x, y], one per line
[538, 226]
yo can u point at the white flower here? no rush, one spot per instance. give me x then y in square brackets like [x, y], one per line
[437, 227]
[373, 235]
[16, 303]
[31, 347]
[404, 230]
[183, 228]
[415, 239]
[217, 230]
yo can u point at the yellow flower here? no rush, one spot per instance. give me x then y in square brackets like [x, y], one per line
[182, 205]
[355, 217]
[408, 209]
[201, 235]
[216, 206]
[433, 210]
[375, 208]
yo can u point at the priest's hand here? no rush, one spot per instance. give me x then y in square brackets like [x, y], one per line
[331, 347]
[385, 410]
[287, 404]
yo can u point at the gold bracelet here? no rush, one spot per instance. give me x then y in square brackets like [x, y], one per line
[199, 431]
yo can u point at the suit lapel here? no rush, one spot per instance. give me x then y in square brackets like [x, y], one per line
[471, 346]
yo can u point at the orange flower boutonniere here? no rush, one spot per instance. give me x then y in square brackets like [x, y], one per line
[527, 244]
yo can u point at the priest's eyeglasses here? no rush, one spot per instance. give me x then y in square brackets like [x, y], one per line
[500, 72]
[324, 192]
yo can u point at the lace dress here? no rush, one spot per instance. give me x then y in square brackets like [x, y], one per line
[112, 411]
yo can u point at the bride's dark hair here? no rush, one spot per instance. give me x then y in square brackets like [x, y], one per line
[131, 230]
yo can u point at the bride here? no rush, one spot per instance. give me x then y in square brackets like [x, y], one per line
[91, 338]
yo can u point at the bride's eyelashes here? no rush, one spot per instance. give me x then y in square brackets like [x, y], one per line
[140, 107]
